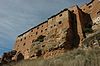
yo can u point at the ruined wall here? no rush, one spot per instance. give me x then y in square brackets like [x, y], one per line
[73, 19]
[25, 40]
[92, 8]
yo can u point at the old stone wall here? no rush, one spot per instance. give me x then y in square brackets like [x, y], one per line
[74, 19]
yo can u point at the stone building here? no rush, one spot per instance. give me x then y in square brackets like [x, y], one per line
[75, 19]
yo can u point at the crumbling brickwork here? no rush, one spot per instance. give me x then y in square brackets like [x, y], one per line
[74, 19]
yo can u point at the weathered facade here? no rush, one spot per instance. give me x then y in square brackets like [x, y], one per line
[74, 19]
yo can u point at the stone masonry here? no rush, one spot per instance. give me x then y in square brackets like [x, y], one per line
[75, 19]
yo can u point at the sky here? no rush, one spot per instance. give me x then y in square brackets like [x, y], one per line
[17, 16]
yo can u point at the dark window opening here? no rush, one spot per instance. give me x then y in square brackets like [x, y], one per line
[37, 27]
[41, 30]
[18, 46]
[24, 44]
[72, 10]
[60, 15]
[45, 29]
[31, 30]
[25, 38]
[36, 33]
[27, 49]
[32, 56]
[60, 22]
[54, 25]
[90, 6]
[42, 25]
[83, 9]
[51, 27]
[21, 40]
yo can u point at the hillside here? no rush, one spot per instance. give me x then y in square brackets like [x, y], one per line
[77, 57]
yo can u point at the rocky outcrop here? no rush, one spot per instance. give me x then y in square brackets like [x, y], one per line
[19, 56]
[7, 57]
[92, 40]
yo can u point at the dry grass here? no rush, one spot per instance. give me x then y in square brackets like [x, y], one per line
[77, 57]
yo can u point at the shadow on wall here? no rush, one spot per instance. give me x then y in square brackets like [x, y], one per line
[20, 56]
[72, 37]
[87, 23]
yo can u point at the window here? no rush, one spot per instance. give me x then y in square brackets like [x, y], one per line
[24, 44]
[21, 40]
[51, 27]
[31, 30]
[54, 25]
[60, 15]
[18, 46]
[60, 22]
[90, 6]
[72, 10]
[37, 27]
[25, 38]
[36, 33]
[45, 29]
[83, 9]
[41, 30]
[42, 25]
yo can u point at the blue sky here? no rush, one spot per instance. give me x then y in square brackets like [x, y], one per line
[16, 16]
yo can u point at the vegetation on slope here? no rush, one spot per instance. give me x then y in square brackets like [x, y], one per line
[76, 57]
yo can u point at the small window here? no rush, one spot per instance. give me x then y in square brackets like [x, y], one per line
[24, 44]
[45, 29]
[37, 27]
[90, 6]
[54, 25]
[51, 27]
[60, 15]
[18, 46]
[60, 22]
[31, 30]
[83, 9]
[27, 49]
[41, 30]
[42, 25]
[72, 10]
[36, 33]
[25, 38]
[21, 40]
